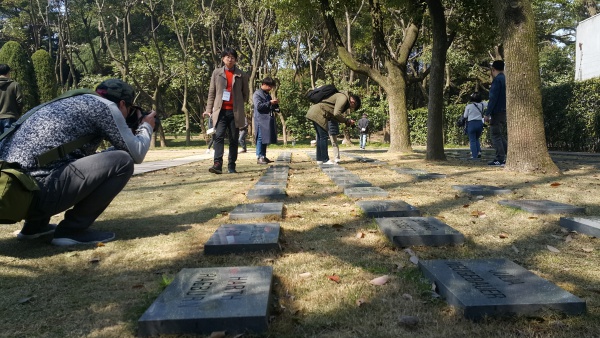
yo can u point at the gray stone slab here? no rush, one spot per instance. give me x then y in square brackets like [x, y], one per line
[384, 208]
[409, 171]
[351, 183]
[273, 184]
[266, 194]
[257, 210]
[237, 238]
[201, 301]
[341, 174]
[429, 231]
[429, 176]
[365, 192]
[484, 190]
[268, 179]
[589, 225]
[542, 206]
[497, 287]
[333, 167]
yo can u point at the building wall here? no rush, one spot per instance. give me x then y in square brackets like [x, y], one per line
[587, 63]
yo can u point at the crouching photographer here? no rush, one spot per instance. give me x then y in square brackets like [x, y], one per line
[56, 144]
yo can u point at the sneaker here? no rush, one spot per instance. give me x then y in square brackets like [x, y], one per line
[267, 160]
[496, 163]
[337, 160]
[319, 162]
[86, 236]
[261, 160]
[231, 171]
[242, 151]
[217, 168]
[27, 234]
[330, 162]
[479, 155]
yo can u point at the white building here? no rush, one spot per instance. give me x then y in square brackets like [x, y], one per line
[587, 63]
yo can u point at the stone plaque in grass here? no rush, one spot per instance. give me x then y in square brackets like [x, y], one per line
[365, 192]
[257, 210]
[409, 171]
[589, 225]
[542, 206]
[429, 176]
[266, 194]
[384, 208]
[270, 179]
[343, 183]
[497, 287]
[272, 184]
[407, 231]
[484, 190]
[237, 238]
[333, 168]
[201, 301]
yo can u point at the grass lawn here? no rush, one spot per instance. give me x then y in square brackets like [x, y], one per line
[163, 218]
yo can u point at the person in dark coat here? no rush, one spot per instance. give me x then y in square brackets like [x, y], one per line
[264, 119]
[495, 113]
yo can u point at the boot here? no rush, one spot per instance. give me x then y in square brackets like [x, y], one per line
[217, 168]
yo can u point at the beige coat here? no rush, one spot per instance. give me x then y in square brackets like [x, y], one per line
[331, 108]
[240, 92]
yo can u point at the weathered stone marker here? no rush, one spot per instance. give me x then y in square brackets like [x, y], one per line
[429, 176]
[266, 194]
[542, 206]
[235, 238]
[407, 231]
[484, 190]
[409, 171]
[365, 192]
[384, 208]
[201, 301]
[497, 287]
[589, 225]
[257, 210]
[350, 183]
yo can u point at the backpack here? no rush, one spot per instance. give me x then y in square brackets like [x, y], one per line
[320, 93]
[17, 189]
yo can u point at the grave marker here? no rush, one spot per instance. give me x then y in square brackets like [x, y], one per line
[365, 192]
[266, 194]
[484, 190]
[542, 206]
[429, 231]
[238, 238]
[589, 225]
[497, 287]
[257, 210]
[384, 208]
[201, 301]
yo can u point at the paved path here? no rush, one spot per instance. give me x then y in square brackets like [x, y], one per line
[158, 165]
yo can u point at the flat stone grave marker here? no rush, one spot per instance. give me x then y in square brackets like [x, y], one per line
[409, 171]
[384, 208]
[266, 194]
[542, 206]
[589, 225]
[429, 231]
[257, 210]
[484, 190]
[333, 167]
[350, 183]
[271, 179]
[232, 299]
[264, 185]
[365, 192]
[429, 176]
[341, 174]
[237, 238]
[497, 287]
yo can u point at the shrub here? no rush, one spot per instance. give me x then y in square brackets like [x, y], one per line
[44, 73]
[15, 57]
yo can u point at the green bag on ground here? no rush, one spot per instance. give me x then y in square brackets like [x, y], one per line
[17, 190]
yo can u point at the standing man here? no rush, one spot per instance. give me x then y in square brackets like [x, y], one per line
[363, 129]
[331, 108]
[495, 114]
[264, 119]
[227, 93]
[82, 181]
[11, 99]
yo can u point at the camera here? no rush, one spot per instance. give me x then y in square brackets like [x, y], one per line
[133, 121]
[275, 108]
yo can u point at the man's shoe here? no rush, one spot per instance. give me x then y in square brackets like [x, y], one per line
[27, 234]
[479, 155]
[267, 160]
[261, 160]
[86, 236]
[503, 162]
[217, 168]
[495, 163]
[337, 160]
[330, 162]
[242, 151]
[319, 162]
[231, 171]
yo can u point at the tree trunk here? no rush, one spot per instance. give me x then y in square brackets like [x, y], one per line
[399, 131]
[527, 150]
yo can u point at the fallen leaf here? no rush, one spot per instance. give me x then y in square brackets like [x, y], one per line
[337, 226]
[294, 216]
[138, 286]
[410, 252]
[433, 287]
[24, 300]
[95, 260]
[360, 235]
[555, 184]
[503, 235]
[100, 244]
[414, 260]
[218, 334]
[334, 278]
[380, 280]
[409, 320]
[407, 296]
[532, 217]
[588, 250]
[515, 249]
[479, 197]
[305, 275]
[346, 204]
[323, 205]
[551, 248]
[360, 302]
[456, 196]
[466, 205]
[568, 238]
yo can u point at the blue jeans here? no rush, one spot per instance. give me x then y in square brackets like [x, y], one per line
[322, 138]
[363, 140]
[261, 149]
[474, 130]
[242, 140]
[5, 124]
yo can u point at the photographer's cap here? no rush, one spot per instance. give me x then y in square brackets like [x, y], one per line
[116, 90]
[498, 65]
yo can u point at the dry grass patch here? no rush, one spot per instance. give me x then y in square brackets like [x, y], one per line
[163, 218]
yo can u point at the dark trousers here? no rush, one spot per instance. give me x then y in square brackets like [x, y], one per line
[5, 124]
[242, 138]
[498, 135]
[226, 124]
[322, 139]
[88, 185]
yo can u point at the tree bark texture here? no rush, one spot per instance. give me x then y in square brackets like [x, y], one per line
[527, 149]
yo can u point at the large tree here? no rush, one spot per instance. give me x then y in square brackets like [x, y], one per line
[527, 150]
